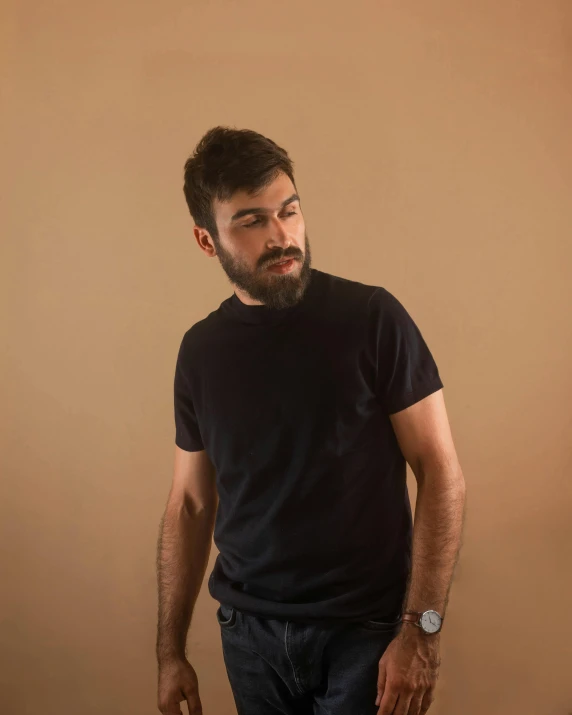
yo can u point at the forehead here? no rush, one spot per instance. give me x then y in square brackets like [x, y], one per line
[271, 197]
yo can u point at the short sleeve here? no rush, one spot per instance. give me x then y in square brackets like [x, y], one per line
[187, 433]
[404, 366]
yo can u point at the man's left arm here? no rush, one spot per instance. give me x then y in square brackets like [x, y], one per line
[408, 669]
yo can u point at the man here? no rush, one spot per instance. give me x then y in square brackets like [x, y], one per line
[298, 403]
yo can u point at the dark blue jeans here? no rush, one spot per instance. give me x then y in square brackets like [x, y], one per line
[300, 669]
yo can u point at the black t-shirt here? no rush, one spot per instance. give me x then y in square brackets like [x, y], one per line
[292, 406]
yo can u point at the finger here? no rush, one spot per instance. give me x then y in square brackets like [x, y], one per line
[427, 700]
[388, 702]
[415, 705]
[381, 678]
[194, 703]
[402, 707]
[170, 708]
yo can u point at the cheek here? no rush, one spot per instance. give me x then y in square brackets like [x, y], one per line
[299, 230]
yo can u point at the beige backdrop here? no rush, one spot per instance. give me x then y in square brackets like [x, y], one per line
[433, 153]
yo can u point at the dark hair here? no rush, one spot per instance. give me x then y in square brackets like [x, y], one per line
[227, 160]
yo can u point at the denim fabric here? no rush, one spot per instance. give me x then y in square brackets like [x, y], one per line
[282, 667]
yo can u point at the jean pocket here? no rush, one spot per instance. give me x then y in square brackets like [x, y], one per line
[226, 616]
[383, 626]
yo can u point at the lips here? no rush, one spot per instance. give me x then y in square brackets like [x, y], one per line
[287, 260]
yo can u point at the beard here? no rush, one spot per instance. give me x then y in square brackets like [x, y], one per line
[274, 290]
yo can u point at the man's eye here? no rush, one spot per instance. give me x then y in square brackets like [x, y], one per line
[253, 223]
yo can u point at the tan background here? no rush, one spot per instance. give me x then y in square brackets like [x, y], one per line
[433, 153]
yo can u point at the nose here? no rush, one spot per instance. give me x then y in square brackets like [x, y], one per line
[279, 235]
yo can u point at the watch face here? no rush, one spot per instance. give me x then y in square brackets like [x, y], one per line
[431, 622]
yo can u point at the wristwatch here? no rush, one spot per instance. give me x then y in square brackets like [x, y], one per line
[428, 621]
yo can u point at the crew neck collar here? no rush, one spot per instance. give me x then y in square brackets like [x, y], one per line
[262, 314]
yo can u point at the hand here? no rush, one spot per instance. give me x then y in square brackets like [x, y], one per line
[408, 673]
[178, 681]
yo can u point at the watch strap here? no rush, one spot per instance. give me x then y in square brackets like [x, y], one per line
[412, 617]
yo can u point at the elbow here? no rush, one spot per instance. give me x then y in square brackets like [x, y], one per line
[447, 478]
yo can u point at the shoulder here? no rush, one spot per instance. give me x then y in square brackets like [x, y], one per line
[346, 290]
[204, 328]
[198, 336]
[383, 304]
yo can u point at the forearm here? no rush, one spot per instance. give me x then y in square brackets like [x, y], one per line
[437, 533]
[182, 558]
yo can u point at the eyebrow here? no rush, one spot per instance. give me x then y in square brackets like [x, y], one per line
[261, 210]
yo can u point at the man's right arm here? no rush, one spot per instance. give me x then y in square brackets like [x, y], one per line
[183, 550]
